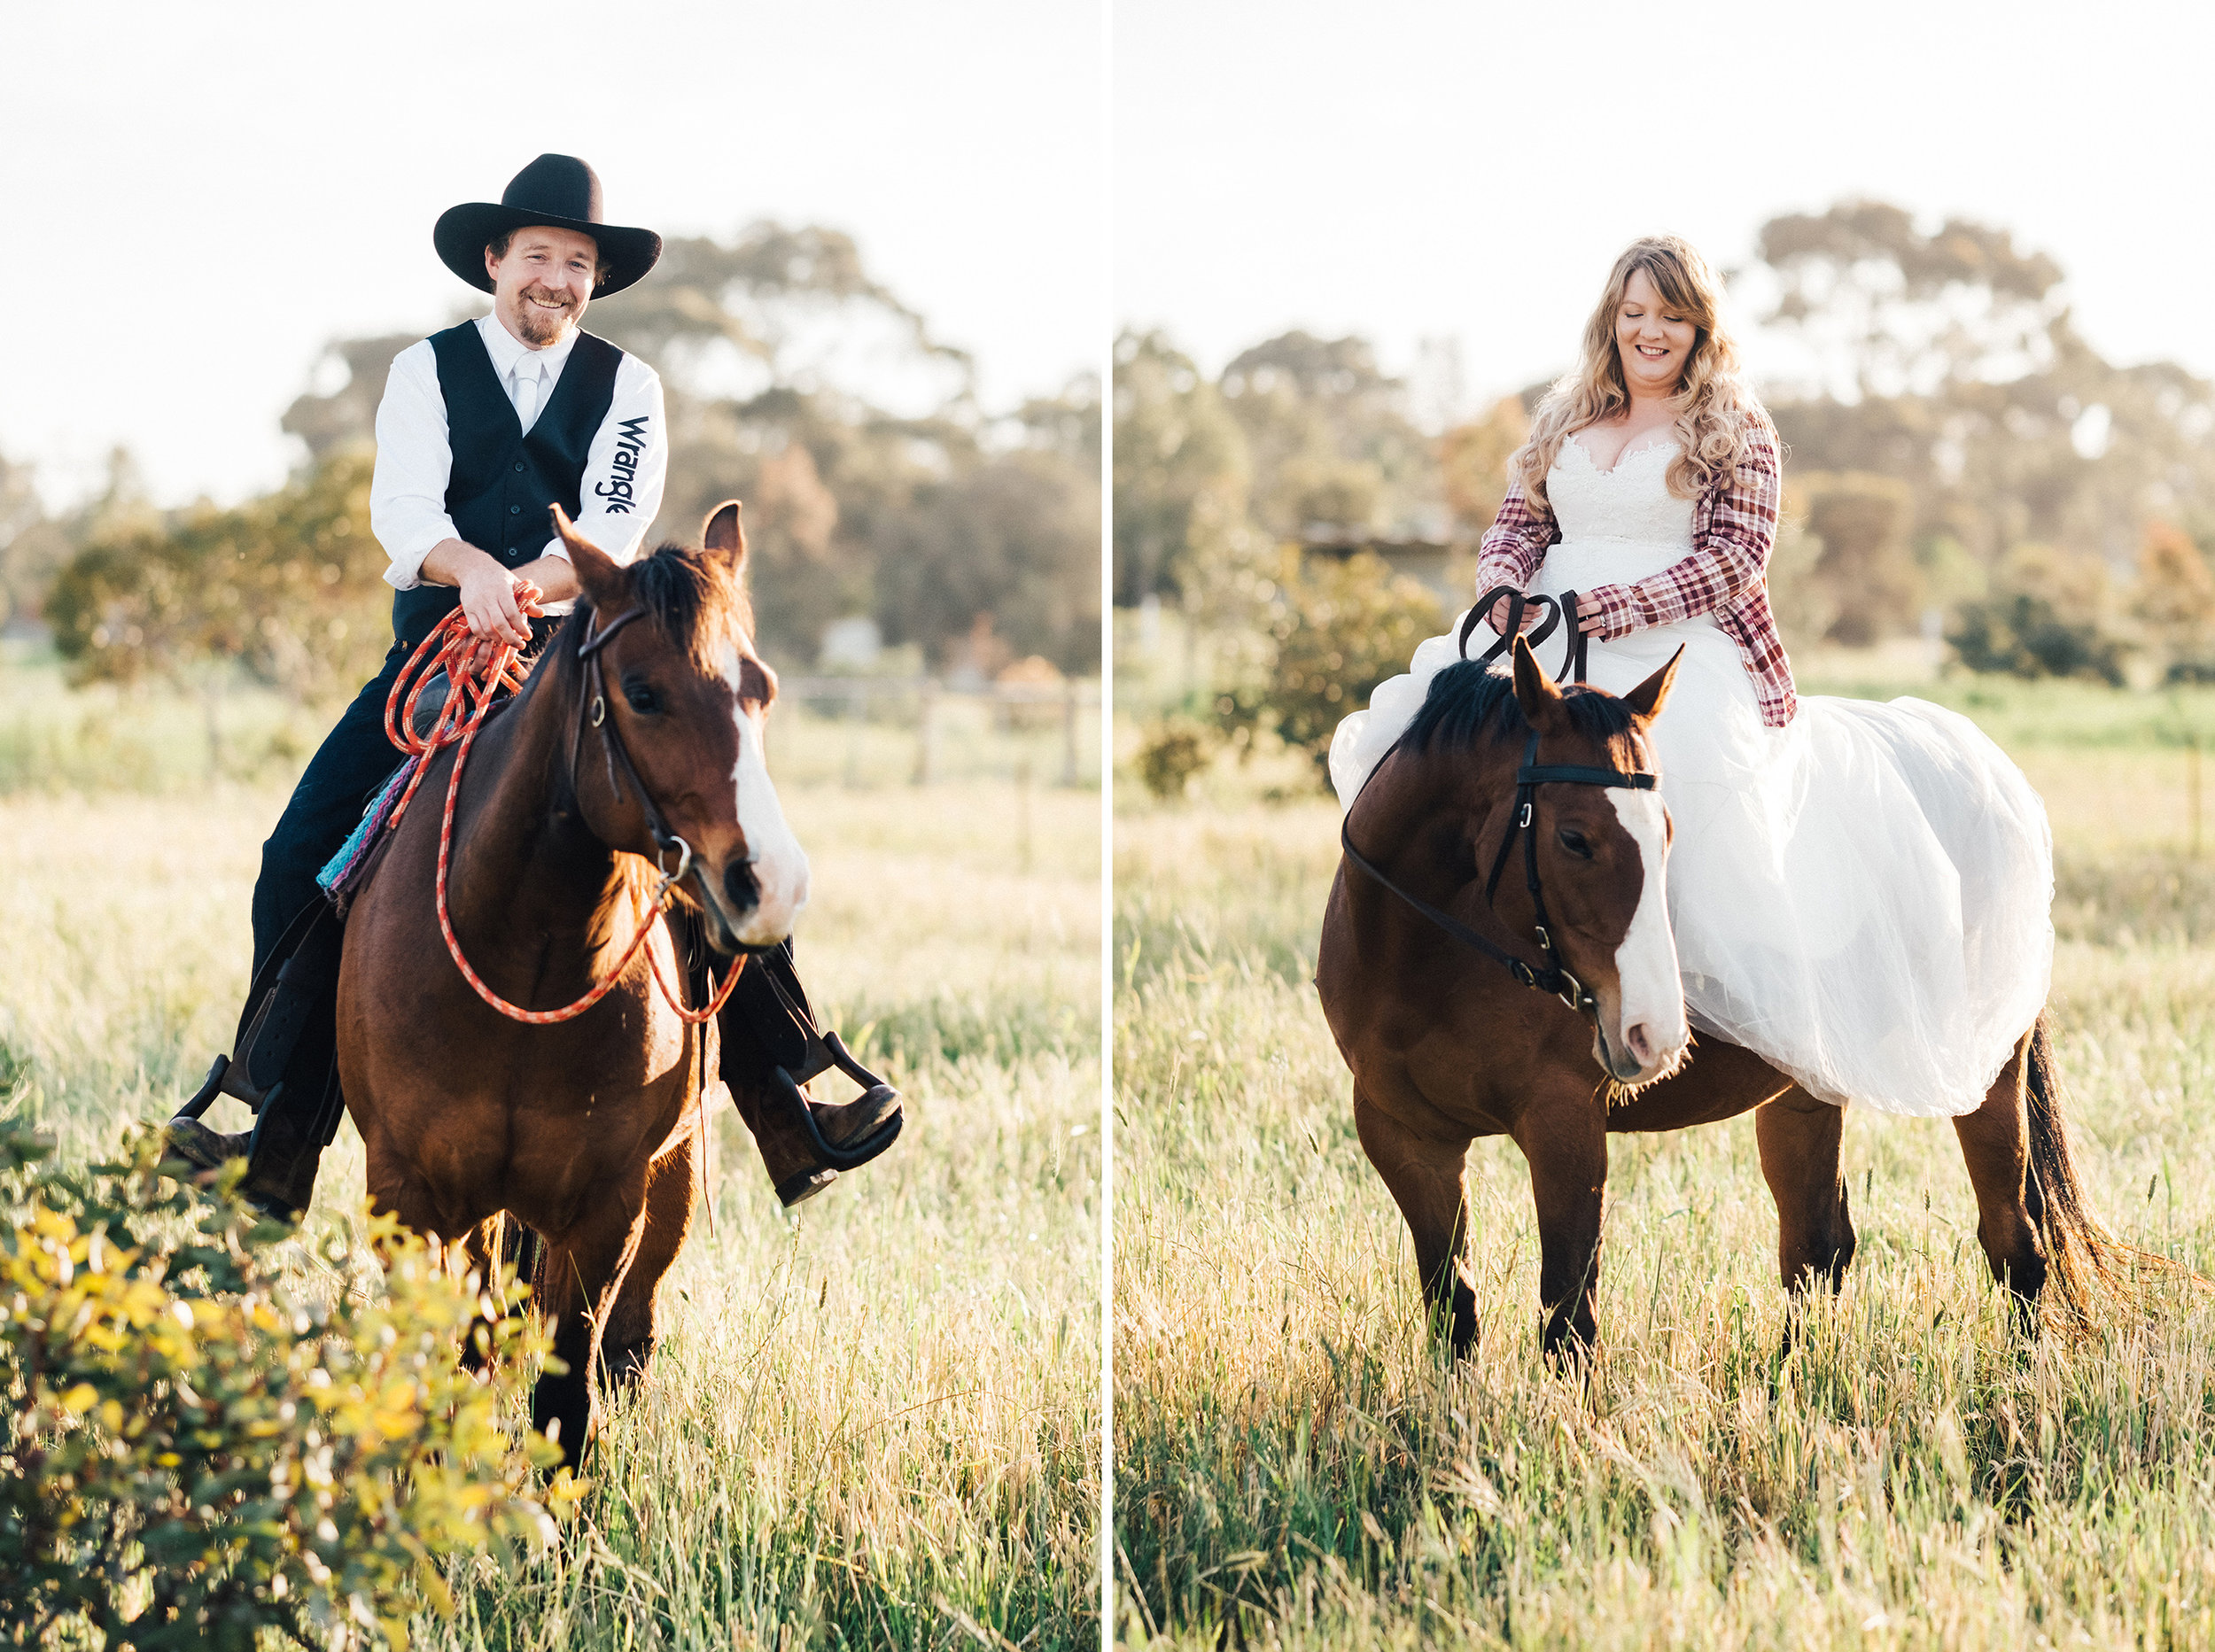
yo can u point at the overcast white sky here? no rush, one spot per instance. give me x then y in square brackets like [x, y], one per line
[201, 196]
[1470, 170]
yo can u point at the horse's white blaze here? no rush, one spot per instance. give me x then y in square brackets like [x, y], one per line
[780, 865]
[1646, 963]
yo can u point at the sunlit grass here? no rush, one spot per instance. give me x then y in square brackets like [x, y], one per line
[1297, 1464]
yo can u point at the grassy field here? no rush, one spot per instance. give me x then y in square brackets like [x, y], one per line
[1297, 1465]
[876, 1424]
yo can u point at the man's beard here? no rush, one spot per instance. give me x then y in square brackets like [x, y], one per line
[541, 326]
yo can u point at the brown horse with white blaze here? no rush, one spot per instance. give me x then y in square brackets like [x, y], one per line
[1445, 1044]
[642, 723]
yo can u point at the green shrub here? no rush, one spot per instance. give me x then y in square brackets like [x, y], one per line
[1340, 628]
[1171, 753]
[2025, 634]
[200, 1446]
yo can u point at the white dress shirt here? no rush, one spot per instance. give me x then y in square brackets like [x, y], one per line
[415, 459]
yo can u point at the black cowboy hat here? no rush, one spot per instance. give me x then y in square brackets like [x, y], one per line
[556, 189]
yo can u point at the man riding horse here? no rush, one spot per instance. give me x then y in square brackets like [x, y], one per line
[483, 427]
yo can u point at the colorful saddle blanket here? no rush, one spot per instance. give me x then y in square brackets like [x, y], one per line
[344, 870]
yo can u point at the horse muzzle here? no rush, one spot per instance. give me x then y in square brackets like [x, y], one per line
[1637, 1043]
[753, 903]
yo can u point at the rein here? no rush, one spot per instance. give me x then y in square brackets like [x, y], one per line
[1551, 975]
[459, 719]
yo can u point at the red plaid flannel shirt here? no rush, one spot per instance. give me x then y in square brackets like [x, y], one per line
[1734, 526]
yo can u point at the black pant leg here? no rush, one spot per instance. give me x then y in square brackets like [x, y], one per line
[353, 761]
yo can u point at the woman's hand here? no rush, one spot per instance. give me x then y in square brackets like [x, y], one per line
[1497, 617]
[1594, 607]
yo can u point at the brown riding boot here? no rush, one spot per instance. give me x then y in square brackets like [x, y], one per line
[284, 1068]
[787, 1151]
[281, 1150]
[770, 1048]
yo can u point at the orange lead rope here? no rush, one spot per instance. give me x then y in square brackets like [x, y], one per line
[469, 698]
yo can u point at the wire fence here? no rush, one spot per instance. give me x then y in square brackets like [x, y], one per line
[865, 733]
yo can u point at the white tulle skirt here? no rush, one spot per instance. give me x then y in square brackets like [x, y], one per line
[1863, 897]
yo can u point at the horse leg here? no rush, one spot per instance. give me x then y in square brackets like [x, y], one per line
[582, 1274]
[1799, 1138]
[1428, 1181]
[1563, 1139]
[1996, 1144]
[396, 1189]
[627, 1339]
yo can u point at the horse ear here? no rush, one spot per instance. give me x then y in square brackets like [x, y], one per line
[725, 535]
[1645, 700]
[1534, 690]
[600, 575]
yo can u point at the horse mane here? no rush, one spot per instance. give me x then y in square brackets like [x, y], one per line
[1469, 703]
[691, 594]
[695, 598]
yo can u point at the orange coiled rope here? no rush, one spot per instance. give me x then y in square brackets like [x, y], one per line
[474, 678]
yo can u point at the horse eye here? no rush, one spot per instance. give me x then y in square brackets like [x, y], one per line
[1573, 841]
[641, 699]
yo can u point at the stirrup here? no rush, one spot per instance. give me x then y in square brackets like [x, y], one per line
[198, 1145]
[853, 1155]
[210, 1087]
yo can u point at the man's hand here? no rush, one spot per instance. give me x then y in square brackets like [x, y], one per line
[555, 577]
[493, 597]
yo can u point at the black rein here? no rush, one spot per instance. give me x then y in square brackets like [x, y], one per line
[596, 711]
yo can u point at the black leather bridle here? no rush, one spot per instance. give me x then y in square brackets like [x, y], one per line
[1550, 975]
[594, 711]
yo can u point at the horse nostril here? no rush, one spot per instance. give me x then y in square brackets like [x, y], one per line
[741, 887]
[1640, 1041]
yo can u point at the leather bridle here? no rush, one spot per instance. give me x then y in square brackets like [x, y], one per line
[594, 711]
[1550, 974]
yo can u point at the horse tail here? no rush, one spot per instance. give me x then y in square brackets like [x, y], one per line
[2079, 1251]
[521, 1249]
[511, 1243]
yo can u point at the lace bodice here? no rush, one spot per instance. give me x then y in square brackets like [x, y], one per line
[1632, 501]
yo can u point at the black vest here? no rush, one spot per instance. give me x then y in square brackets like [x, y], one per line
[502, 480]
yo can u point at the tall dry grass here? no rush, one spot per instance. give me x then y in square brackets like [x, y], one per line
[1298, 1465]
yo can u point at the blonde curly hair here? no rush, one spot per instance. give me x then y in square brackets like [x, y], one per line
[1718, 413]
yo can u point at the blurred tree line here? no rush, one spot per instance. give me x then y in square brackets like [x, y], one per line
[1958, 457]
[957, 530]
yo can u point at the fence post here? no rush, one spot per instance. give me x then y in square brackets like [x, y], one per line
[926, 701]
[1023, 820]
[2192, 747]
[857, 711]
[1069, 733]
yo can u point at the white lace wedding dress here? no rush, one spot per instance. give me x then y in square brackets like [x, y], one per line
[1863, 896]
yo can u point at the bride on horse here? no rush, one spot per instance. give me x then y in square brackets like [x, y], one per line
[1859, 892]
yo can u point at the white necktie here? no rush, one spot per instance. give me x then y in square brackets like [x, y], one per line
[527, 386]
